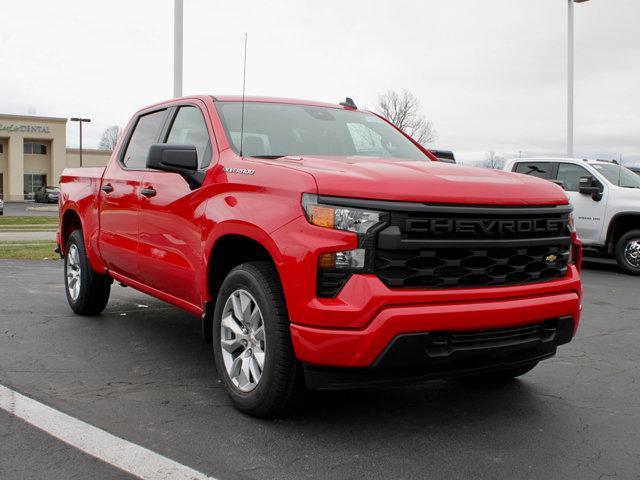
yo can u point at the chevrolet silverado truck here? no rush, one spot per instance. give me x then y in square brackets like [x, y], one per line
[606, 201]
[322, 247]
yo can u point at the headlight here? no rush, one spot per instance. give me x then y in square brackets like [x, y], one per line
[340, 218]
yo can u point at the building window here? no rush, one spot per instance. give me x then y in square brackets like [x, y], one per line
[35, 148]
[32, 182]
[1, 147]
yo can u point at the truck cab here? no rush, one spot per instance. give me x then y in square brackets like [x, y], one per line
[606, 201]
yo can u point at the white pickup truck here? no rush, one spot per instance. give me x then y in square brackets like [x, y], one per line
[606, 202]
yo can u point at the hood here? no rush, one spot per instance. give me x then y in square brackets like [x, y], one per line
[432, 182]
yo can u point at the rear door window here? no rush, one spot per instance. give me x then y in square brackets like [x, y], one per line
[145, 133]
[536, 169]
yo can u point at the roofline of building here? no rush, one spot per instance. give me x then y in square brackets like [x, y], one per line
[33, 118]
[90, 150]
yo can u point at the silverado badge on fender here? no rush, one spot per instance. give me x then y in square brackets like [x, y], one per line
[244, 171]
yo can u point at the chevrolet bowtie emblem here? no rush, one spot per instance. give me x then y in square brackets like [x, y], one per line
[550, 258]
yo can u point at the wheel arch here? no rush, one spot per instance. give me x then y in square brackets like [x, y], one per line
[620, 224]
[235, 244]
[229, 251]
[70, 221]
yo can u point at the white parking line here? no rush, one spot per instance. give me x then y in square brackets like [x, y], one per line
[120, 453]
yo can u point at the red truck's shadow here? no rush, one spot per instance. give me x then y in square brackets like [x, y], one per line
[174, 338]
[442, 401]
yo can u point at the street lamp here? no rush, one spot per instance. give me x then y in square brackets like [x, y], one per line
[80, 121]
[570, 79]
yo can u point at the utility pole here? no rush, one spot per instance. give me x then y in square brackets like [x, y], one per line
[570, 77]
[177, 47]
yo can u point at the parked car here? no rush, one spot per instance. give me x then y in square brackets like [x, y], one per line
[606, 201]
[444, 155]
[321, 246]
[47, 195]
[1, 207]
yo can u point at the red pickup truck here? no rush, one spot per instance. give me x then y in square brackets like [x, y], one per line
[322, 247]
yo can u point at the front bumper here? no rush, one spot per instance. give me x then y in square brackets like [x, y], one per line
[419, 356]
[353, 329]
[361, 347]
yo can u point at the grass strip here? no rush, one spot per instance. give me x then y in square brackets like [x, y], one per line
[29, 250]
[25, 220]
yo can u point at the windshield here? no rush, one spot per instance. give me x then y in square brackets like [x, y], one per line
[53, 189]
[620, 176]
[277, 130]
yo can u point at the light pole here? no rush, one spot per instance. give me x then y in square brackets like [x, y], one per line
[177, 48]
[80, 121]
[570, 78]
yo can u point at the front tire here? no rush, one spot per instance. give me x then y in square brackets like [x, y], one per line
[87, 291]
[252, 342]
[628, 252]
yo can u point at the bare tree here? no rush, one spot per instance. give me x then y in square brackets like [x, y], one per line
[110, 138]
[403, 110]
[493, 161]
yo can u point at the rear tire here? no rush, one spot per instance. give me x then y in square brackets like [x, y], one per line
[87, 291]
[502, 376]
[256, 364]
[628, 252]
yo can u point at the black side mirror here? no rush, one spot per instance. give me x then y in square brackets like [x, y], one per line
[590, 186]
[560, 183]
[180, 159]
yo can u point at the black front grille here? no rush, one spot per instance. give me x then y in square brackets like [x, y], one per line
[469, 267]
[448, 246]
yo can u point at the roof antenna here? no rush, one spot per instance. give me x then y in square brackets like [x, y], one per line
[348, 103]
[244, 78]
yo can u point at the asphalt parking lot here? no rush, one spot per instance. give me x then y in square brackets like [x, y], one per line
[141, 372]
[30, 209]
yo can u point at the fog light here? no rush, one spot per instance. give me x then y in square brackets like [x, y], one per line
[347, 260]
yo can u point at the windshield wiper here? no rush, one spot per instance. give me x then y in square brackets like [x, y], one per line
[267, 157]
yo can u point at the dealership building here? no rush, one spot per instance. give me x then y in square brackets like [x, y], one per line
[33, 153]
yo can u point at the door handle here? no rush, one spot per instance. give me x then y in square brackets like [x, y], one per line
[148, 192]
[107, 188]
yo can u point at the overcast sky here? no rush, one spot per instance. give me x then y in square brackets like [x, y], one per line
[491, 75]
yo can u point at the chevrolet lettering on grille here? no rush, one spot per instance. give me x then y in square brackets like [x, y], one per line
[487, 227]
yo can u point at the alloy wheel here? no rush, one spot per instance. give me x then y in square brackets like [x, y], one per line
[632, 252]
[243, 341]
[73, 272]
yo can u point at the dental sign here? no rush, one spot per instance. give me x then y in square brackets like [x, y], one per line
[24, 128]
